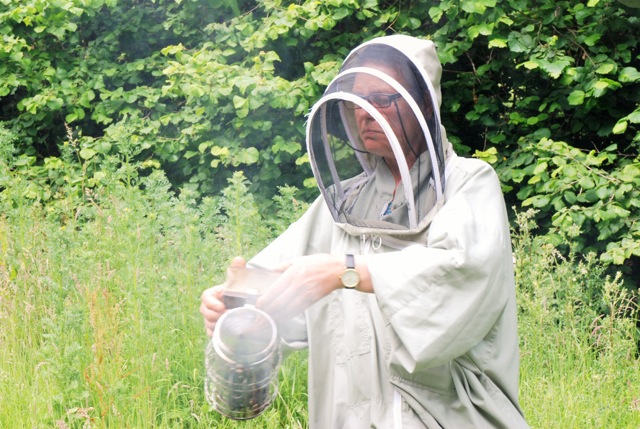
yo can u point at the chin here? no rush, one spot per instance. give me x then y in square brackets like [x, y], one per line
[376, 147]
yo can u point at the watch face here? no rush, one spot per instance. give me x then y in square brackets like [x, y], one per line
[350, 278]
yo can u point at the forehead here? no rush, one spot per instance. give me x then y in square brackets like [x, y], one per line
[364, 83]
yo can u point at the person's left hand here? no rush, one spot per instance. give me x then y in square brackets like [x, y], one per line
[304, 281]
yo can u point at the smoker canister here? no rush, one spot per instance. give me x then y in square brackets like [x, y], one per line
[241, 363]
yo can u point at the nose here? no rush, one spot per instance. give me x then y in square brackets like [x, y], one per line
[362, 115]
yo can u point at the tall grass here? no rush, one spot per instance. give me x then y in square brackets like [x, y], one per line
[579, 339]
[99, 322]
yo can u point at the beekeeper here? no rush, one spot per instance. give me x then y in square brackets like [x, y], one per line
[399, 278]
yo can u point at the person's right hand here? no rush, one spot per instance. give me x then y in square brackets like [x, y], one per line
[211, 304]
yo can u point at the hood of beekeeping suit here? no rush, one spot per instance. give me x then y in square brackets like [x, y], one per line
[375, 141]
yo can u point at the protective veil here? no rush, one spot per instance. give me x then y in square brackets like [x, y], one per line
[375, 140]
[436, 345]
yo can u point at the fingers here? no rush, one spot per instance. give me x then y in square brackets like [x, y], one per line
[238, 262]
[283, 266]
[211, 307]
[290, 295]
[281, 309]
[305, 280]
[211, 303]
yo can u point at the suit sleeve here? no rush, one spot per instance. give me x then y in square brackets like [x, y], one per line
[441, 299]
[310, 234]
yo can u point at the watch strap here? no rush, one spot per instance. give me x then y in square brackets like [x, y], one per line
[351, 261]
[350, 277]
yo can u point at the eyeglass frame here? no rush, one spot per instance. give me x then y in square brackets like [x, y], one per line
[389, 100]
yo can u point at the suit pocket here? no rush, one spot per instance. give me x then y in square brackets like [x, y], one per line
[350, 324]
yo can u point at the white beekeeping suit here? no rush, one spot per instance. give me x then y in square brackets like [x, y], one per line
[436, 344]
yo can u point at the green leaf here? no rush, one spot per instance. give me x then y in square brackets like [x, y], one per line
[620, 127]
[204, 146]
[589, 196]
[79, 113]
[190, 154]
[414, 23]
[484, 29]
[592, 39]
[103, 147]
[219, 151]
[555, 68]
[497, 43]
[629, 74]
[520, 42]
[570, 197]
[55, 103]
[87, 153]
[489, 155]
[477, 6]
[435, 13]
[634, 117]
[586, 182]
[576, 98]
[130, 97]
[288, 146]
[605, 68]
[239, 102]
[604, 193]
[247, 156]
[537, 201]
[86, 98]
[540, 168]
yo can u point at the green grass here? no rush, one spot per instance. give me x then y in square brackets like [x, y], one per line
[99, 321]
[579, 362]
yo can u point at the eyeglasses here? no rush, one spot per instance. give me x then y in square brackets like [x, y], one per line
[379, 100]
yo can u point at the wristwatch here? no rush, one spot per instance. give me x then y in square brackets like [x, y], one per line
[350, 277]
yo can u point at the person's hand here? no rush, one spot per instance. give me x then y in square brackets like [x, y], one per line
[304, 281]
[211, 304]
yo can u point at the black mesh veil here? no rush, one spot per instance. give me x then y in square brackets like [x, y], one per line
[375, 139]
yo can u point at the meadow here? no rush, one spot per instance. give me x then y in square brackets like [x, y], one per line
[99, 321]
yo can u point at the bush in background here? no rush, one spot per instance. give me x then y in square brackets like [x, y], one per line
[547, 91]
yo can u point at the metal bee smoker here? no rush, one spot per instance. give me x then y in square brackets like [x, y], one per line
[242, 358]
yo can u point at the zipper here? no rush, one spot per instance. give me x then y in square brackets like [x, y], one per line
[365, 245]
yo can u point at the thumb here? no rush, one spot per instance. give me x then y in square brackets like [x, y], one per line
[238, 262]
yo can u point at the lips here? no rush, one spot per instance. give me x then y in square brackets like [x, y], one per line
[369, 133]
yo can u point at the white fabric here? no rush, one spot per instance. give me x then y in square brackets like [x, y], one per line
[436, 345]
[441, 327]
[397, 409]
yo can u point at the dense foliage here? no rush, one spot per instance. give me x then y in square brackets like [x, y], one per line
[548, 91]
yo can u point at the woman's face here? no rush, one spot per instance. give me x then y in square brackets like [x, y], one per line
[374, 139]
